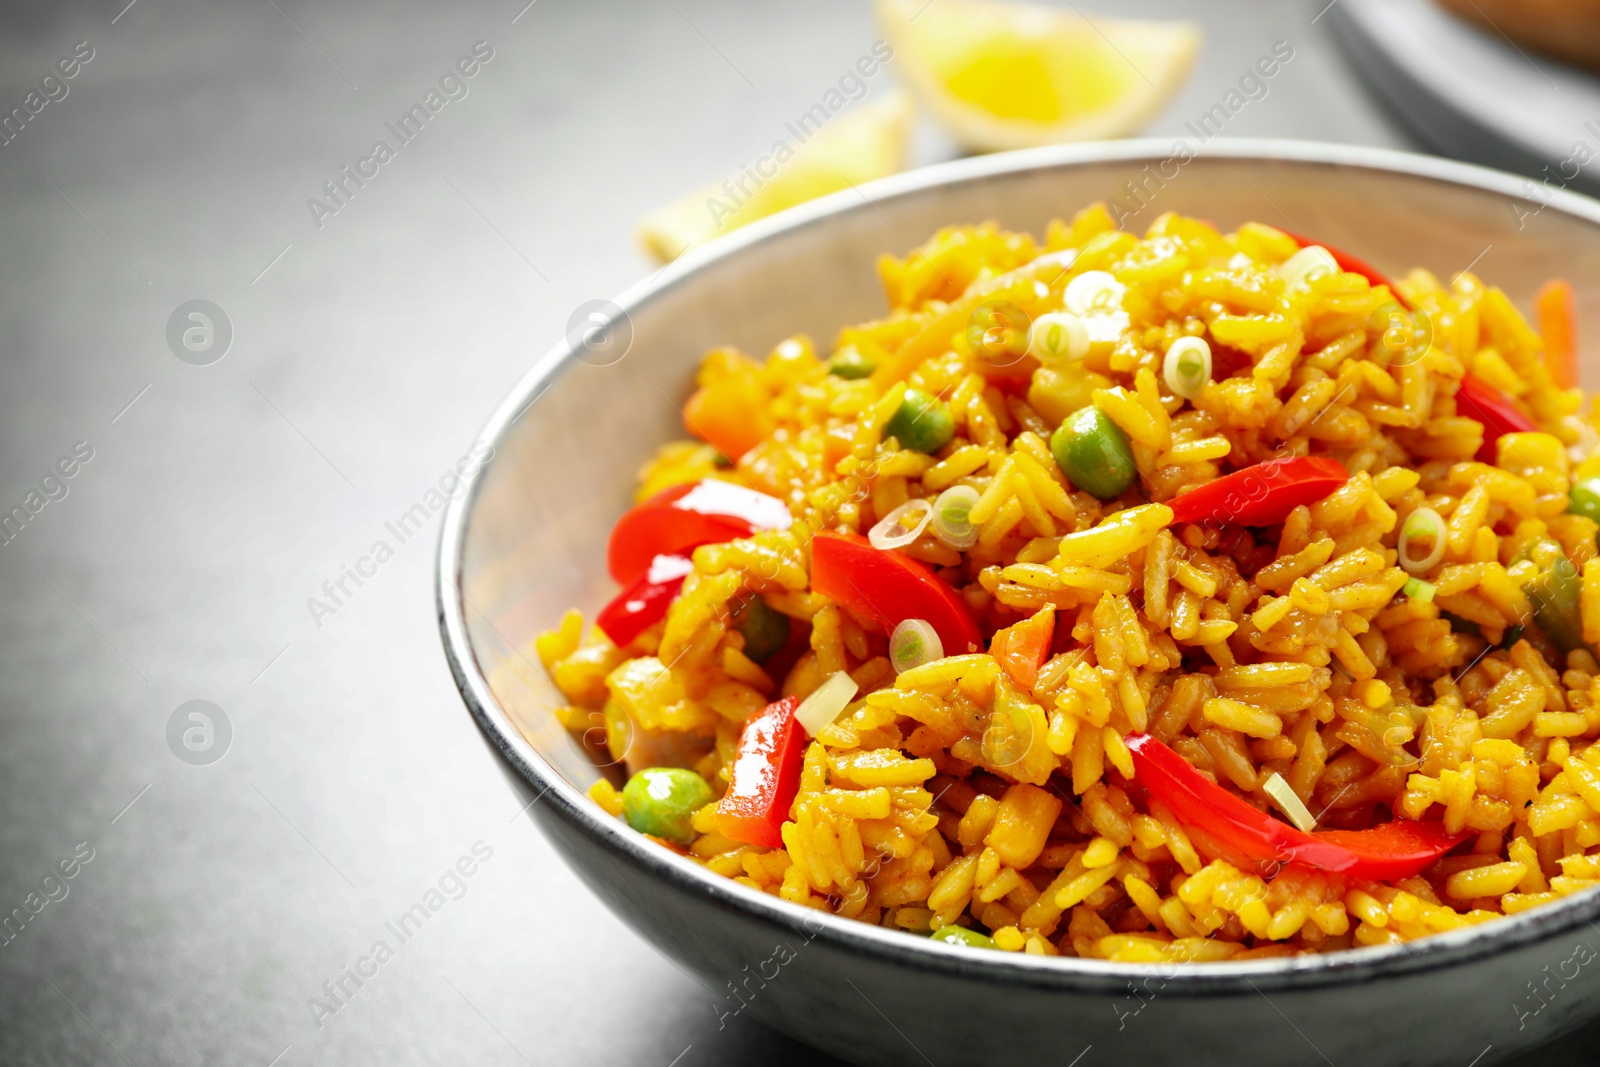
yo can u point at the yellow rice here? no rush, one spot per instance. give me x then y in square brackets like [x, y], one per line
[1251, 655]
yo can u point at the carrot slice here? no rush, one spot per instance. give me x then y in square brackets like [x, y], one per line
[731, 416]
[1558, 325]
[1022, 649]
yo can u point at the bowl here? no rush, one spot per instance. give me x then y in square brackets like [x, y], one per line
[524, 542]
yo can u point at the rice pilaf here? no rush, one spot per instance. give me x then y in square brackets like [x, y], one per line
[1191, 698]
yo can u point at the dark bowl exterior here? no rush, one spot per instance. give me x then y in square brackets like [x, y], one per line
[870, 1006]
[523, 543]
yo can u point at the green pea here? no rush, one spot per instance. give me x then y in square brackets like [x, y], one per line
[1585, 499]
[765, 631]
[922, 423]
[849, 363]
[962, 937]
[659, 801]
[1094, 454]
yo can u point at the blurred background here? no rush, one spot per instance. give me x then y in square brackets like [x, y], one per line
[223, 710]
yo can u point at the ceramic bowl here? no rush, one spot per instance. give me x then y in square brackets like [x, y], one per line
[526, 541]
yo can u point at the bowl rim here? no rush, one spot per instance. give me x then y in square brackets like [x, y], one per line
[889, 947]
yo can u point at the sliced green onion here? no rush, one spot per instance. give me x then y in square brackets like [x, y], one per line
[901, 526]
[913, 643]
[817, 711]
[951, 521]
[1310, 262]
[1424, 525]
[1058, 338]
[1187, 367]
[1094, 291]
[1417, 589]
[1288, 802]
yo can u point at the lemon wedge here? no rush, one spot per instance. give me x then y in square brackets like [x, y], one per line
[805, 161]
[1002, 75]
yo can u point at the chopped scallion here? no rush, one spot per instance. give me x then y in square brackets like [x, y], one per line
[951, 517]
[817, 711]
[1289, 802]
[1424, 526]
[913, 643]
[1308, 263]
[1058, 338]
[1187, 367]
[1417, 589]
[1094, 291]
[901, 526]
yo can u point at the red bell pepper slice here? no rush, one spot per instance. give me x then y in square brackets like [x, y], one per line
[890, 587]
[645, 602]
[765, 776]
[1022, 649]
[683, 517]
[1261, 494]
[1477, 399]
[1351, 265]
[1387, 853]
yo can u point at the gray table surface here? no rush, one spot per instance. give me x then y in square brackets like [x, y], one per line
[218, 898]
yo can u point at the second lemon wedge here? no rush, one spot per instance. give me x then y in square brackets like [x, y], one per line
[863, 144]
[1003, 75]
